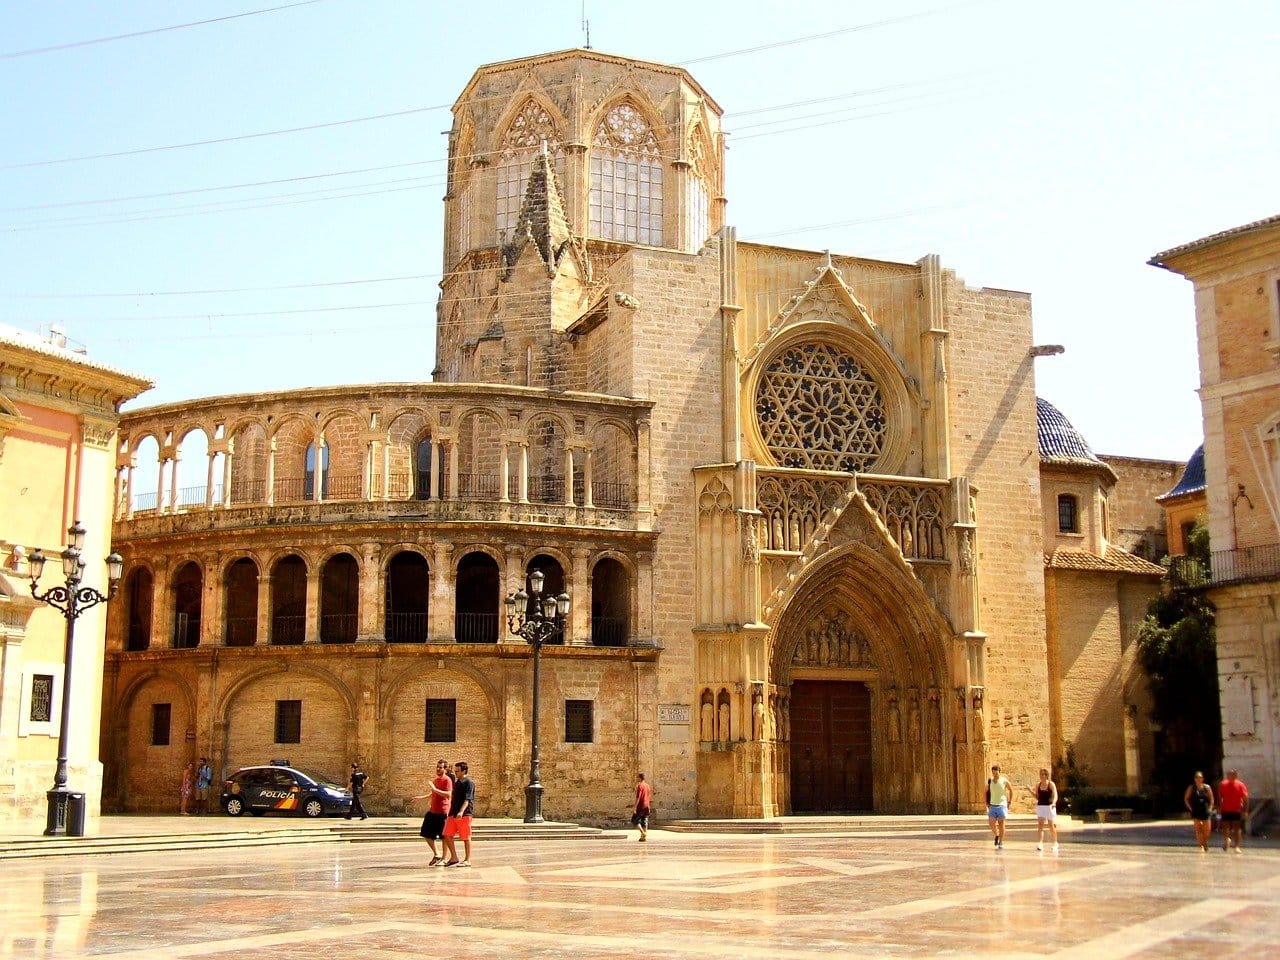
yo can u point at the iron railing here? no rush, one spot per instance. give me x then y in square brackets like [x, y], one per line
[609, 631]
[338, 627]
[1245, 565]
[240, 631]
[288, 630]
[406, 627]
[475, 627]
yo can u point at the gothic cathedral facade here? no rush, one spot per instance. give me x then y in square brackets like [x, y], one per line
[795, 498]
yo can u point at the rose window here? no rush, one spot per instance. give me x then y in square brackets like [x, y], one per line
[817, 408]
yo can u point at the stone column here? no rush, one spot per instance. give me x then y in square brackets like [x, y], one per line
[226, 473]
[451, 489]
[644, 478]
[372, 612]
[271, 472]
[311, 633]
[513, 579]
[161, 606]
[321, 470]
[211, 618]
[436, 460]
[524, 471]
[504, 453]
[568, 476]
[642, 602]
[208, 481]
[588, 496]
[160, 491]
[580, 591]
[440, 622]
[128, 490]
[174, 492]
[262, 634]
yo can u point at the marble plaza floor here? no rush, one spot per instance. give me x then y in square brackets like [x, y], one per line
[680, 895]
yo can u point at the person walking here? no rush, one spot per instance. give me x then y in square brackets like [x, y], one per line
[188, 784]
[204, 779]
[434, 820]
[999, 802]
[1233, 804]
[1046, 794]
[1199, 800]
[640, 813]
[356, 784]
[458, 824]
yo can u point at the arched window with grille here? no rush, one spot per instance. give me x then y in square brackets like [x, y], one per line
[626, 179]
[524, 136]
[1068, 513]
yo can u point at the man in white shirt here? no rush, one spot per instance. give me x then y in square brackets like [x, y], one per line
[999, 800]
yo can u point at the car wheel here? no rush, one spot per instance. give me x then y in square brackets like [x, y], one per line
[234, 807]
[313, 807]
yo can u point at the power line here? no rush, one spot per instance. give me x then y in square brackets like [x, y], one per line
[144, 33]
[892, 21]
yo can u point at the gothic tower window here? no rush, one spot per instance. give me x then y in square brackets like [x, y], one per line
[626, 179]
[819, 409]
[520, 145]
[697, 191]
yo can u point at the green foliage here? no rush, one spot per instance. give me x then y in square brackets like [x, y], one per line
[1177, 648]
[1072, 779]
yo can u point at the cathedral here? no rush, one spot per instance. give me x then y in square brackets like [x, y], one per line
[823, 548]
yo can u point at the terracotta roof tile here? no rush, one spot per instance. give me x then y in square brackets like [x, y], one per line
[1115, 561]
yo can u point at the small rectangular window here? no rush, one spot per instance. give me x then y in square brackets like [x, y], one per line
[442, 721]
[288, 721]
[41, 698]
[1067, 520]
[161, 715]
[577, 721]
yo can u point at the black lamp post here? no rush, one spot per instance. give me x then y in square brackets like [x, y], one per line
[535, 627]
[72, 600]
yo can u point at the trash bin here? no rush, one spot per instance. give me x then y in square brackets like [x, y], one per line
[75, 814]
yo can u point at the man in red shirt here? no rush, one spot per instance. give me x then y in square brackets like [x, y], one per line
[1233, 804]
[433, 822]
[644, 800]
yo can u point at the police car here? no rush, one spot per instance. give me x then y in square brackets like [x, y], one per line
[279, 786]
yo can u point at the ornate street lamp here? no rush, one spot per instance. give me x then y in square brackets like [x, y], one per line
[72, 600]
[535, 626]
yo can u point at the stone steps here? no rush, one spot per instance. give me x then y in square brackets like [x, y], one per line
[946, 823]
[375, 830]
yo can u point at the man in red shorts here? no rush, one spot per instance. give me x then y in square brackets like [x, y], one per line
[433, 822]
[459, 823]
[1233, 804]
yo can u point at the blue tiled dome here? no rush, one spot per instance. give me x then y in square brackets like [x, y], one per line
[1060, 442]
[1192, 476]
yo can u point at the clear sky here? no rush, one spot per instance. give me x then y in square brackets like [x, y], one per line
[1041, 147]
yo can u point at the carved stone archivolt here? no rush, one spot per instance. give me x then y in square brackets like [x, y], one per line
[830, 641]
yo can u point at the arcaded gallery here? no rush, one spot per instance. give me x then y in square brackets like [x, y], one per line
[793, 497]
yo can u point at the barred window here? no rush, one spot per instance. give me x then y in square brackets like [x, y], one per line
[161, 717]
[1068, 521]
[41, 697]
[442, 721]
[577, 721]
[288, 721]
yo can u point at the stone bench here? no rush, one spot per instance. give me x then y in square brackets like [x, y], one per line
[1114, 814]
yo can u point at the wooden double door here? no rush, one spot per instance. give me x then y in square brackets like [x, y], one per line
[830, 746]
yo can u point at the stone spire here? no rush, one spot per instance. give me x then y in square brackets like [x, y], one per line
[543, 223]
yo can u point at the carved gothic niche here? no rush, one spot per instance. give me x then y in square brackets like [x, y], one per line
[829, 641]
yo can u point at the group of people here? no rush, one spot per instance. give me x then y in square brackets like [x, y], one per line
[448, 818]
[1231, 808]
[1000, 802]
[196, 781]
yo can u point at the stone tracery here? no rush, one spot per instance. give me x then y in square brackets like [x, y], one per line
[818, 408]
